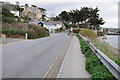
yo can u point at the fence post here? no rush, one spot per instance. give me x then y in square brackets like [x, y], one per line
[3, 38]
[26, 35]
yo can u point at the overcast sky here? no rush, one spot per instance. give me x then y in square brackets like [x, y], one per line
[108, 8]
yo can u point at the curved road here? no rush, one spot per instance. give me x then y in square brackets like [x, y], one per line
[32, 58]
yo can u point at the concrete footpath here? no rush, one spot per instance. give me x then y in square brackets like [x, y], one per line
[9, 40]
[73, 65]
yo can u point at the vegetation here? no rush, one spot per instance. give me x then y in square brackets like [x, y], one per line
[93, 64]
[106, 50]
[11, 31]
[32, 30]
[36, 31]
[7, 16]
[88, 33]
[17, 7]
[59, 30]
[69, 26]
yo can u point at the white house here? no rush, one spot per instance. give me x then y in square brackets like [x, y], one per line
[34, 13]
[50, 25]
[16, 13]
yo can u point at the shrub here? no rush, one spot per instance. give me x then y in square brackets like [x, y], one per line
[35, 31]
[67, 26]
[76, 30]
[59, 30]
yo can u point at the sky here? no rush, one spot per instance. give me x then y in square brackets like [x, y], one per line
[108, 8]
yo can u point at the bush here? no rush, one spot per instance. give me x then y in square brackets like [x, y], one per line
[35, 31]
[77, 30]
[93, 65]
[67, 26]
[88, 33]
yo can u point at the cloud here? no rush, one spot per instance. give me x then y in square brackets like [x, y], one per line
[34, 1]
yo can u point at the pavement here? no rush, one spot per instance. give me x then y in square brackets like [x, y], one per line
[0, 63]
[73, 65]
[32, 58]
[4, 41]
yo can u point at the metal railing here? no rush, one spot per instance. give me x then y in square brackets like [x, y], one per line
[110, 64]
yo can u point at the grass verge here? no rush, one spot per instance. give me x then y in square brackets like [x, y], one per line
[93, 65]
[88, 33]
[106, 50]
[103, 47]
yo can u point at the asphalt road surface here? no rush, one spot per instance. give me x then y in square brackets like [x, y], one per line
[32, 58]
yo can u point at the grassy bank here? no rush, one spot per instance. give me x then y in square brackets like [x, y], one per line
[103, 47]
[33, 31]
[93, 65]
[88, 33]
[106, 50]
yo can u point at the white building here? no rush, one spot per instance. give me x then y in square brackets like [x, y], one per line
[51, 25]
[16, 13]
[34, 13]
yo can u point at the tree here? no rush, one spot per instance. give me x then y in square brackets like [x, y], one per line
[55, 18]
[43, 17]
[17, 6]
[7, 13]
[94, 18]
[84, 13]
[64, 17]
[26, 5]
[42, 10]
[87, 16]
[7, 16]
[34, 5]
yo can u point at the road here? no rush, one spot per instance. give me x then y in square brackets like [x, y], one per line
[32, 58]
